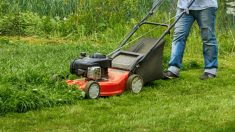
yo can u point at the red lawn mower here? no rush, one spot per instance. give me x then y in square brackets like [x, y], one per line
[123, 69]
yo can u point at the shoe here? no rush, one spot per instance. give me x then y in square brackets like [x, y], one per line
[169, 75]
[207, 75]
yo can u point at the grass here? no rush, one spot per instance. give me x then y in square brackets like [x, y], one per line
[185, 104]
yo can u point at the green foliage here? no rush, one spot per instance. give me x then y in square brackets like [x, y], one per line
[83, 17]
[20, 24]
[25, 77]
[42, 7]
[66, 17]
[224, 21]
[25, 97]
[12, 25]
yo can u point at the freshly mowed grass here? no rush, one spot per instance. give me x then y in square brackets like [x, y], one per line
[184, 104]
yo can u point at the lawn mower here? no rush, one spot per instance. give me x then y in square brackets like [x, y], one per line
[112, 74]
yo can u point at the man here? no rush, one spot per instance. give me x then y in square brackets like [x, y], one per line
[204, 12]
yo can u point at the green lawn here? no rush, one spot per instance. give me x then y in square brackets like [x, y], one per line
[184, 104]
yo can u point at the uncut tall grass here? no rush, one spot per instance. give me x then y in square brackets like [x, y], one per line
[83, 17]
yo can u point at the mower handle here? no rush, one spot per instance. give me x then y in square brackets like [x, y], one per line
[168, 30]
[143, 21]
[173, 24]
[138, 25]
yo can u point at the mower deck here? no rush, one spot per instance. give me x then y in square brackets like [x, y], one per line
[115, 84]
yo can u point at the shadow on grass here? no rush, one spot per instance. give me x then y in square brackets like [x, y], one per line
[228, 126]
[153, 85]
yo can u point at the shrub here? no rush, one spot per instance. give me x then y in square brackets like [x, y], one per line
[20, 24]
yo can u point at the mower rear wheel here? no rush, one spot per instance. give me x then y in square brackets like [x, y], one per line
[135, 83]
[92, 90]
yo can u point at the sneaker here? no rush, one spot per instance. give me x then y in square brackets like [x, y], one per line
[169, 75]
[207, 75]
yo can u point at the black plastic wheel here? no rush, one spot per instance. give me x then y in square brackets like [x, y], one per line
[92, 90]
[135, 83]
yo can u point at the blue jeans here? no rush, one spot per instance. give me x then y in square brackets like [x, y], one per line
[206, 21]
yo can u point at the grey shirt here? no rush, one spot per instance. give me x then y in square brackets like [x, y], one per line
[198, 4]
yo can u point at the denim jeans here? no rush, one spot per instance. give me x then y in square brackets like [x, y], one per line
[206, 21]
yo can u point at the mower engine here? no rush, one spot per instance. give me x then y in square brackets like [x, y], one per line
[94, 67]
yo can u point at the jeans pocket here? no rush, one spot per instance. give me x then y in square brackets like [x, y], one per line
[178, 12]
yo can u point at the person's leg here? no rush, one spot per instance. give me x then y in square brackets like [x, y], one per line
[181, 33]
[206, 21]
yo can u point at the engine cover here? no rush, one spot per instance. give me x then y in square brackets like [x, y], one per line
[80, 66]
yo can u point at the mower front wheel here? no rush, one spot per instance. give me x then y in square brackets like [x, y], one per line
[135, 83]
[92, 90]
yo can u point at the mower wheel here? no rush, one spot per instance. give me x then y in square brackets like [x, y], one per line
[135, 83]
[92, 90]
